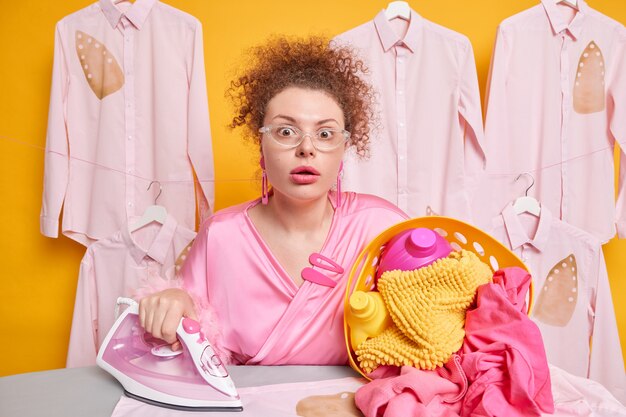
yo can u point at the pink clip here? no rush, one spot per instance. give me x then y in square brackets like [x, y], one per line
[317, 277]
[325, 263]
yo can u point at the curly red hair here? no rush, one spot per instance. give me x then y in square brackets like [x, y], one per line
[313, 63]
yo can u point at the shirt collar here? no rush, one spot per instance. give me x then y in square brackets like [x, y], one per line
[389, 38]
[136, 14]
[516, 233]
[559, 24]
[158, 248]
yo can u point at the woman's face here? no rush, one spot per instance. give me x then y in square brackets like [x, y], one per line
[303, 173]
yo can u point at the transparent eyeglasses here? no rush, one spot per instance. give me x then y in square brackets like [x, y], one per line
[325, 139]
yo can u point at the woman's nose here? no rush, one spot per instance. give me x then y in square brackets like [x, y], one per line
[306, 147]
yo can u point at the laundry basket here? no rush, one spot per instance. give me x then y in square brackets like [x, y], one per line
[460, 235]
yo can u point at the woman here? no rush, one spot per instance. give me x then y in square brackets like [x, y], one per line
[271, 273]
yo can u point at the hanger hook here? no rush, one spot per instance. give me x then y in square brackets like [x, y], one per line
[531, 184]
[160, 190]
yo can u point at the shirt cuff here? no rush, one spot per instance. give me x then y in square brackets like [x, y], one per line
[621, 229]
[49, 227]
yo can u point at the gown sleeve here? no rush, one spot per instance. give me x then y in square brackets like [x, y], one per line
[195, 275]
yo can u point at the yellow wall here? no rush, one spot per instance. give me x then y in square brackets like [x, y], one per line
[39, 274]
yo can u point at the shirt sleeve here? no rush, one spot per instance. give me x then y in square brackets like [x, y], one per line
[606, 364]
[620, 220]
[56, 170]
[83, 347]
[495, 97]
[199, 142]
[617, 124]
[495, 127]
[472, 122]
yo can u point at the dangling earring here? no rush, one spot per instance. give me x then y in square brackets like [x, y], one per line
[339, 175]
[264, 184]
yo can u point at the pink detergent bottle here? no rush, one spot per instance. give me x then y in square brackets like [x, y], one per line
[413, 249]
[409, 250]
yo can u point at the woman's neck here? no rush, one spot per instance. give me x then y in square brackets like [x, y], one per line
[300, 216]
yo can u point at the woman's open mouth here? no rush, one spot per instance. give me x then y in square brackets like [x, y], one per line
[304, 175]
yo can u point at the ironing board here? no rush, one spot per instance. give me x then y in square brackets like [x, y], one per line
[92, 392]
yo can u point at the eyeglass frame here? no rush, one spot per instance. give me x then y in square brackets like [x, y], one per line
[267, 130]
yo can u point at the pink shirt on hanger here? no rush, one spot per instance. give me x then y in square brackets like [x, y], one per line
[115, 267]
[556, 106]
[264, 317]
[426, 149]
[128, 105]
[573, 307]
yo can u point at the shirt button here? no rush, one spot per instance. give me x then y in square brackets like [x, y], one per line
[130, 204]
[401, 157]
[400, 92]
[130, 137]
[401, 124]
[400, 60]
[130, 171]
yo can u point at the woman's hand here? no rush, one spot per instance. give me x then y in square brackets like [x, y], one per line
[160, 313]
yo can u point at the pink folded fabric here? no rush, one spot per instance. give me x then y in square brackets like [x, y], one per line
[415, 393]
[503, 354]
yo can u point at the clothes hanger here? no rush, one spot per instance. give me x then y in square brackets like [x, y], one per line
[397, 9]
[571, 3]
[527, 204]
[153, 213]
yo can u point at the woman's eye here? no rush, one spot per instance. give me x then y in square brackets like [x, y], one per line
[325, 134]
[286, 132]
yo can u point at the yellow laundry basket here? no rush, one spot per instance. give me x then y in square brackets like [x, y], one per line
[460, 235]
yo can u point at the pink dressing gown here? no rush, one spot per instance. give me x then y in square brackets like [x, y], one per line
[263, 316]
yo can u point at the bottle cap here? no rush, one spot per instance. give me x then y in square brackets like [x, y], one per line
[412, 249]
[422, 242]
[361, 305]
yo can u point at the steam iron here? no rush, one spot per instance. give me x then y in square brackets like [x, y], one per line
[193, 378]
